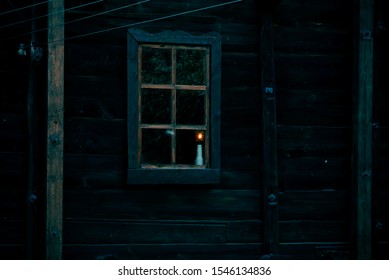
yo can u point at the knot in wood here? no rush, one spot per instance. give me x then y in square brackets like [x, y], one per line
[32, 198]
[272, 199]
[54, 139]
[54, 234]
[366, 174]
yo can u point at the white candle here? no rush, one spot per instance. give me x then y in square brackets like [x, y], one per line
[199, 156]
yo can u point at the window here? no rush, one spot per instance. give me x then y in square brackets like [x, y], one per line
[173, 108]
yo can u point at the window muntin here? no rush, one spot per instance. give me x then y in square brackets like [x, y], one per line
[174, 102]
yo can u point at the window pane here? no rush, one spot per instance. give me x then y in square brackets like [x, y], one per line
[156, 146]
[187, 149]
[191, 107]
[155, 106]
[156, 66]
[191, 67]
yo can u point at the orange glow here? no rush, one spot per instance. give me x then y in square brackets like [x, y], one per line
[200, 136]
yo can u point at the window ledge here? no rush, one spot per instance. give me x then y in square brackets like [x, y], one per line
[195, 176]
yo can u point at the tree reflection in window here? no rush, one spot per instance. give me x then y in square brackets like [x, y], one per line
[174, 104]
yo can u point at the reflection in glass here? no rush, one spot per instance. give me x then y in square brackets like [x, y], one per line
[156, 146]
[155, 106]
[191, 107]
[186, 147]
[191, 67]
[156, 66]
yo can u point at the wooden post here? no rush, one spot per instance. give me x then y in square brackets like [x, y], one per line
[362, 127]
[32, 149]
[269, 136]
[55, 109]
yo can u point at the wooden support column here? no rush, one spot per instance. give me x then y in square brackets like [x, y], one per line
[55, 109]
[269, 136]
[362, 127]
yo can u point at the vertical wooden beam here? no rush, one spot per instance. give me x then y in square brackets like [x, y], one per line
[362, 127]
[269, 136]
[55, 109]
[32, 148]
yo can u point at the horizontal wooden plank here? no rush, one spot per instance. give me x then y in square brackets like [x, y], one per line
[245, 10]
[95, 136]
[12, 231]
[237, 33]
[380, 204]
[313, 107]
[311, 38]
[312, 71]
[382, 115]
[168, 203]
[12, 252]
[163, 251]
[332, 205]
[12, 203]
[88, 60]
[290, 231]
[157, 176]
[315, 251]
[108, 171]
[13, 170]
[327, 14]
[380, 251]
[239, 69]
[382, 142]
[143, 232]
[313, 173]
[381, 230]
[13, 133]
[314, 231]
[313, 141]
[239, 162]
[246, 231]
[381, 176]
[314, 179]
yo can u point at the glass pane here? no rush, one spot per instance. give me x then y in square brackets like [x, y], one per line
[189, 150]
[191, 67]
[156, 146]
[156, 106]
[156, 66]
[191, 107]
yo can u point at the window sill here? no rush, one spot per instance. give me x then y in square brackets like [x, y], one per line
[195, 176]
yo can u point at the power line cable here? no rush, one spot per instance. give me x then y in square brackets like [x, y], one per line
[83, 18]
[132, 24]
[38, 17]
[109, 11]
[148, 21]
[25, 7]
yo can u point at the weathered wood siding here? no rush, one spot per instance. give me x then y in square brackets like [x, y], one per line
[105, 218]
[380, 210]
[313, 45]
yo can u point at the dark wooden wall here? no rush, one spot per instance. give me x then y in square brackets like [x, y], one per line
[380, 222]
[106, 219]
[313, 62]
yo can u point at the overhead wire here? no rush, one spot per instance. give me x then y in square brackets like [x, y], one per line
[148, 21]
[108, 11]
[79, 19]
[43, 16]
[24, 7]
[125, 25]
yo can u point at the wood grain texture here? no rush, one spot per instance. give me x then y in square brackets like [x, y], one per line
[362, 127]
[55, 110]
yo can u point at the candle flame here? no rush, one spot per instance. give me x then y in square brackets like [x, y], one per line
[200, 136]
